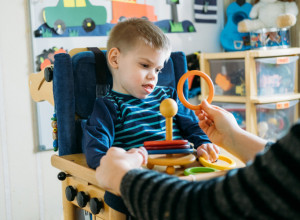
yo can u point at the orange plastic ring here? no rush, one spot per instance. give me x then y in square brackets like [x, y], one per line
[181, 83]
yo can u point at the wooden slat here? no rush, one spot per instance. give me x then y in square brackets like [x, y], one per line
[275, 52]
[270, 99]
[233, 99]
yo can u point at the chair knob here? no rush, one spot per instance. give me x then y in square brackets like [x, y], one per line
[62, 176]
[96, 205]
[48, 73]
[82, 199]
[70, 193]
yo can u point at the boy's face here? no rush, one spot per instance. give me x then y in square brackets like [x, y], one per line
[136, 71]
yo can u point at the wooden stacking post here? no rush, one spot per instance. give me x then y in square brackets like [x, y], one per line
[168, 109]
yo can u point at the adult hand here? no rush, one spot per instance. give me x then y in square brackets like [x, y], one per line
[218, 124]
[116, 163]
[222, 129]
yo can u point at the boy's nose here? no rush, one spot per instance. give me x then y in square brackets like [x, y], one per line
[151, 74]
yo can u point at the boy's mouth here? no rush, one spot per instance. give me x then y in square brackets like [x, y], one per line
[148, 88]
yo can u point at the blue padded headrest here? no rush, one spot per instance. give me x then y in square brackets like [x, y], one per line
[84, 72]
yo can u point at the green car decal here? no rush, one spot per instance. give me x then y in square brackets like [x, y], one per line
[71, 13]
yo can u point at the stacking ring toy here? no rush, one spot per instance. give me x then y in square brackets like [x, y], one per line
[231, 163]
[195, 170]
[181, 83]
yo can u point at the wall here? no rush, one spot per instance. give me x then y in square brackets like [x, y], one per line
[29, 188]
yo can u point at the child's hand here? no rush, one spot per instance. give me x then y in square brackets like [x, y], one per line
[210, 152]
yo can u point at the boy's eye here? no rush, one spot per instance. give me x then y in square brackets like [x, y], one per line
[144, 65]
[158, 71]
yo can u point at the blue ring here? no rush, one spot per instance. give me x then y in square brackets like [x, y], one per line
[171, 151]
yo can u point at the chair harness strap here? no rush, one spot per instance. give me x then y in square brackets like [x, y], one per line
[102, 85]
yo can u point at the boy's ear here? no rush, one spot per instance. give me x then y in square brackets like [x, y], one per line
[113, 57]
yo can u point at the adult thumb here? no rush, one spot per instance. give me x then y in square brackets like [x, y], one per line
[207, 108]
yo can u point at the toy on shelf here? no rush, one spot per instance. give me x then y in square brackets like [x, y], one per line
[276, 75]
[274, 119]
[270, 38]
[228, 76]
[231, 84]
[269, 24]
[231, 39]
[270, 14]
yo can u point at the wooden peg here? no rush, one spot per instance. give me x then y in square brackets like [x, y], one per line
[168, 109]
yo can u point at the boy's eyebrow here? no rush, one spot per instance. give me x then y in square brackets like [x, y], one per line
[146, 59]
[149, 61]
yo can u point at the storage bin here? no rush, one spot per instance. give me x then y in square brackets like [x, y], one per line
[275, 119]
[273, 38]
[228, 76]
[237, 109]
[275, 75]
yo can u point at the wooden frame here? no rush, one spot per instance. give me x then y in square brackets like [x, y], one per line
[251, 99]
[82, 178]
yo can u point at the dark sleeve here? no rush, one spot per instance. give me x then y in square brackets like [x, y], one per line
[98, 133]
[188, 124]
[269, 188]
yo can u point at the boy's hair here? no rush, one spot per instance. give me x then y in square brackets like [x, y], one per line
[126, 34]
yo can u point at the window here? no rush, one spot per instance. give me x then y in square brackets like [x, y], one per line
[80, 3]
[69, 3]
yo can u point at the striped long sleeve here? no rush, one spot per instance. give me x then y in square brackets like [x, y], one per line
[268, 188]
[124, 121]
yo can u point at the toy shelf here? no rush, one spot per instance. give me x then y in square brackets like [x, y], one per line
[254, 63]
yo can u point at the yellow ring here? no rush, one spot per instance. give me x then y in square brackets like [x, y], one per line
[231, 163]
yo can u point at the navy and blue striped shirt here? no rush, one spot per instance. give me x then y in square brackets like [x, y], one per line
[121, 120]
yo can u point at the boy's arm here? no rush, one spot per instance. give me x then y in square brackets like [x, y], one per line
[98, 133]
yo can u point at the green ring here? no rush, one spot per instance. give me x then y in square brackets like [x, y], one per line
[195, 170]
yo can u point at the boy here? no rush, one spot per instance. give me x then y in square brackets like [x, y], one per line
[129, 114]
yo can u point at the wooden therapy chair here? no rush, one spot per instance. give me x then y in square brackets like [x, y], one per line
[78, 78]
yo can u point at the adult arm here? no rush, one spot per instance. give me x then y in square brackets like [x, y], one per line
[223, 130]
[269, 188]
